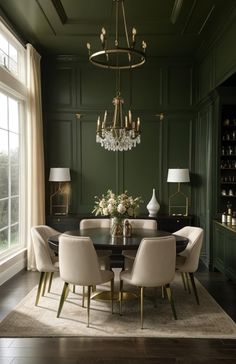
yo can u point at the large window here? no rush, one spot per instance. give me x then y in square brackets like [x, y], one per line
[11, 54]
[9, 172]
[12, 129]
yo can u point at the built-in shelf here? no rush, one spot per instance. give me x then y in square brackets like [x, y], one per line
[227, 163]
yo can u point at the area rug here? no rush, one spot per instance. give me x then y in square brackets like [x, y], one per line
[206, 320]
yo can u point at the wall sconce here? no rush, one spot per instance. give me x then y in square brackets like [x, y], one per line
[179, 175]
[59, 200]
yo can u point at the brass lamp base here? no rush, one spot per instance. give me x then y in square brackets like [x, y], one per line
[173, 206]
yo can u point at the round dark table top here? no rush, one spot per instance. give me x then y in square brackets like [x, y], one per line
[103, 240]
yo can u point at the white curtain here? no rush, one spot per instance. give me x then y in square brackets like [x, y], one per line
[35, 190]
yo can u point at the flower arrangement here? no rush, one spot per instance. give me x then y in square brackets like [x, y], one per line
[119, 206]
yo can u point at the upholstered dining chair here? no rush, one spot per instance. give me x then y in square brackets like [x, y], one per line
[78, 265]
[46, 261]
[154, 266]
[188, 260]
[129, 255]
[103, 255]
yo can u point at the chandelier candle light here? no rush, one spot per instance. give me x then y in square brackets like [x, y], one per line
[122, 133]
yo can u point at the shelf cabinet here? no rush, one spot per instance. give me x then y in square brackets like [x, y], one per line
[228, 157]
[224, 249]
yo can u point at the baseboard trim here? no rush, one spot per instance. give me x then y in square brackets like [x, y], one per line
[12, 266]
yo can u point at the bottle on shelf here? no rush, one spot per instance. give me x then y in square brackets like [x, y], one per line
[234, 219]
[229, 208]
[229, 213]
[224, 218]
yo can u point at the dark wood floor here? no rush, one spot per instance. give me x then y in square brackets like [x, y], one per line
[117, 350]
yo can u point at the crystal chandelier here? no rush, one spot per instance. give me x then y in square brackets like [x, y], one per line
[122, 133]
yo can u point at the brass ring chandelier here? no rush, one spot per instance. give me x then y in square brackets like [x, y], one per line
[119, 56]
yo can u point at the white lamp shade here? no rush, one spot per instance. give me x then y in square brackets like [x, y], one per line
[59, 174]
[179, 175]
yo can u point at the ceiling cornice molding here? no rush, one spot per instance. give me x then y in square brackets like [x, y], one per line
[60, 11]
[207, 46]
[176, 11]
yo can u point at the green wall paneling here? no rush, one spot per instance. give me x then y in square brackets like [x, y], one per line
[219, 247]
[225, 54]
[230, 255]
[180, 86]
[98, 87]
[205, 77]
[224, 249]
[98, 168]
[147, 88]
[205, 183]
[59, 85]
[218, 61]
[142, 165]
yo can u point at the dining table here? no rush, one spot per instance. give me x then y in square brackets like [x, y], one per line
[102, 239]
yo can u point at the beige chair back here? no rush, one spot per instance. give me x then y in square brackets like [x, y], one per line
[143, 224]
[154, 263]
[44, 256]
[193, 249]
[94, 223]
[78, 262]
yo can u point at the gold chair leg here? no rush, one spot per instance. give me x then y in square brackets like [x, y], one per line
[83, 296]
[162, 292]
[64, 295]
[112, 294]
[187, 281]
[88, 304]
[45, 283]
[141, 304]
[194, 287]
[155, 296]
[41, 280]
[121, 296]
[170, 298]
[183, 279]
[50, 281]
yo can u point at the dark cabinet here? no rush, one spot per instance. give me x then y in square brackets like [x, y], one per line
[63, 223]
[224, 249]
[173, 223]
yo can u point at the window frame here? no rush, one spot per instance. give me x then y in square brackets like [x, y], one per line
[15, 88]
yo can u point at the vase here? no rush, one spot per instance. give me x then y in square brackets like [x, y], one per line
[117, 226]
[153, 205]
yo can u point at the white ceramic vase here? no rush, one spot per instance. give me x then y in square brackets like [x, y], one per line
[153, 205]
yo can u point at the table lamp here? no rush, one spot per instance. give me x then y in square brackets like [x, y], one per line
[178, 175]
[59, 175]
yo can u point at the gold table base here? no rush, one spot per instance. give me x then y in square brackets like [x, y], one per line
[106, 296]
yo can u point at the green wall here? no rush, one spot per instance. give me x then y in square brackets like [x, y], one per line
[72, 86]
